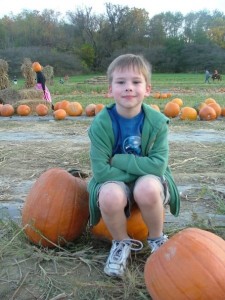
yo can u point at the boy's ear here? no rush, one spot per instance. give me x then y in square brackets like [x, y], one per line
[148, 90]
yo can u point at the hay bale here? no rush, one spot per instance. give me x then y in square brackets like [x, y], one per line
[28, 73]
[31, 93]
[32, 103]
[9, 96]
[4, 79]
[48, 72]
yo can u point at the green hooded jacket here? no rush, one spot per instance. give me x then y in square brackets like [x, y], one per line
[128, 167]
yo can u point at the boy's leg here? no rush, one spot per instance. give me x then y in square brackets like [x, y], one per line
[112, 202]
[113, 199]
[150, 196]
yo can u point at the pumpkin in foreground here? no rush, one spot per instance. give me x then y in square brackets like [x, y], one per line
[189, 266]
[136, 227]
[56, 208]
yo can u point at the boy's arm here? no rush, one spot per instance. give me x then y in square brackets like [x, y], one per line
[154, 162]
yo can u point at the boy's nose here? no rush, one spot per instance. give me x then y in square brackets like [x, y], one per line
[128, 89]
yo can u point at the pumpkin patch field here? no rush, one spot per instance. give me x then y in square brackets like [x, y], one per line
[36, 144]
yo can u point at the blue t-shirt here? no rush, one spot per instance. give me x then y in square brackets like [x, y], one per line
[127, 132]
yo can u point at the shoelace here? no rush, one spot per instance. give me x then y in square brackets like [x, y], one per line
[134, 245]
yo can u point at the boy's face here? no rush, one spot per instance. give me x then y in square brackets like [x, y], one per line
[128, 88]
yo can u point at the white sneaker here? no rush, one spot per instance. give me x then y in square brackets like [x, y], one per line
[154, 245]
[119, 253]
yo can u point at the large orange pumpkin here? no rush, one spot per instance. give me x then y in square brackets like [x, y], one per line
[171, 109]
[23, 110]
[56, 208]
[7, 110]
[98, 108]
[136, 227]
[188, 113]
[189, 266]
[36, 66]
[74, 109]
[207, 113]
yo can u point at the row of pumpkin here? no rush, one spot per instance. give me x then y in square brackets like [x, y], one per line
[208, 110]
[193, 258]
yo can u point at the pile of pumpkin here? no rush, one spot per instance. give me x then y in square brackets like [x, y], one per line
[190, 265]
[61, 109]
[207, 111]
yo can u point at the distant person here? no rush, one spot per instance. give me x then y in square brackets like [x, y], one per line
[216, 72]
[40, 85]
[207, 76]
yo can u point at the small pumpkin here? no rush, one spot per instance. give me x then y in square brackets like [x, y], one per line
[59, 114]
[216, 107]
[99, 107]
[36, 66]
[56, 208]
[178, 101]
[210, 100]
[157, 95]
[0, 108]
[7, 110]
[136, 227]
[74, 109]
[190, 265]
[222, 112]
[64, 104]
[90, 110]
[41, 109]
[155, 106]
[207, 113]
[23, 110]
[188, 113]
[171, 109]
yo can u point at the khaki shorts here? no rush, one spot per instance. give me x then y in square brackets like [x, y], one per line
[129, 188]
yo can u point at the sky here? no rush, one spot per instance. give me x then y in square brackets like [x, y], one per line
[152, 7]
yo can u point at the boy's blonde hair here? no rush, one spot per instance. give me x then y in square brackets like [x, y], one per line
[137, 62]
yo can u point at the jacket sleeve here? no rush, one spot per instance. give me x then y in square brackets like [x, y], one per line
[154, 161]
[100, 155]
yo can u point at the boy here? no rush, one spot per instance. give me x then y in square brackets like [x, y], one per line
[129, 159]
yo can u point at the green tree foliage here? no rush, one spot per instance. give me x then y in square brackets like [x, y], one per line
[84, 41]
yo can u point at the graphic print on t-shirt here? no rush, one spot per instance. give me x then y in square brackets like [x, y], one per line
[132, 145]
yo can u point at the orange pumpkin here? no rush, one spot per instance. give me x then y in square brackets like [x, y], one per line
[210, 100]
[171, 109]
[156, 95]
[98, 108]
[36, 66]
[56, 208]
[155, 106]
[163, 95]
[0, 108]
[207, 113]
[216, 107]
[178, 101]
[222, 112]
[188, 113]
[57, 105]
[7, 110]
[23, 110]
[59, 114]
[136, 227]
[90, 110]
[41, 109]
[64, 104]
[190, 265]
[74, 109]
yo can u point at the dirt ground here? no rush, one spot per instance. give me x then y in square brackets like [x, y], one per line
[31, 145]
